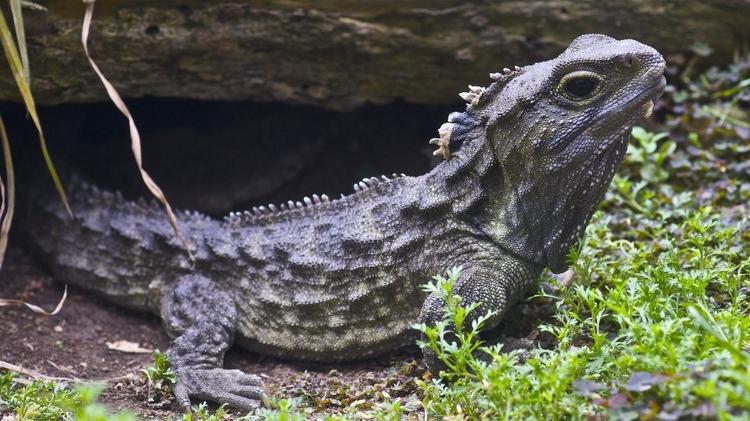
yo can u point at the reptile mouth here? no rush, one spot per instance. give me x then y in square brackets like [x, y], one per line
[648, 108]
[646, 99]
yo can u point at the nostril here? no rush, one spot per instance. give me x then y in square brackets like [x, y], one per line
[152, 30]
[627, 60]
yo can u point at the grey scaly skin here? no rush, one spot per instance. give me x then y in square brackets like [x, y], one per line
[333, 280]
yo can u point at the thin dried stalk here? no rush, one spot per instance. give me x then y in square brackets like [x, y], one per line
[31, 373]
[4, 302]
[135, 137]
[34, 6]
[17, 68]
[6, 212]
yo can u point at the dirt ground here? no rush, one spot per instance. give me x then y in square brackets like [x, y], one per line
[73, 345]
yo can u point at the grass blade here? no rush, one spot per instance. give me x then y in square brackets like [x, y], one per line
[7, 207]
[15, 8]
[16, 67]
[135, 137]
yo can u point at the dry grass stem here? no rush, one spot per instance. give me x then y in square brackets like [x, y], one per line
[135, 136]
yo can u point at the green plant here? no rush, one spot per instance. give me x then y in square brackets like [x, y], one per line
[388, 412]
[37, 400]
[651, 154]
[281, 410]
[201, 412]
[160, 377]
[48, 401]
[453, 342]
[84, 406]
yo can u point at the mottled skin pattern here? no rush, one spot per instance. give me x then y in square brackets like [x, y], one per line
[333, 280]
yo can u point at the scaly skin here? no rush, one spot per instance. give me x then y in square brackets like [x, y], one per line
[526, 165]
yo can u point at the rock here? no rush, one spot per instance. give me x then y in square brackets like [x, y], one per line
[341, 54]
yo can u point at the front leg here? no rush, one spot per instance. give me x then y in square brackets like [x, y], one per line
[495, 284]
[202, 317]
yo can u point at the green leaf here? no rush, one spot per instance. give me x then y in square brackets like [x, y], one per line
[742, 85]
[704, 319]
[650, 146]
[640, 134]
[665, 150]
[16, 10]
[659, 136]
[694, 140]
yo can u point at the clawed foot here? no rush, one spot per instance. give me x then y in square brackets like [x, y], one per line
[232, 387]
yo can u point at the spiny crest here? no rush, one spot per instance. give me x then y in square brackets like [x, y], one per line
[367, 183]
[500, 80]
[236, 218]
[195, 215]
[271, 209]
[93, 195]
[506, 74]
[474, 97]
[475, 93]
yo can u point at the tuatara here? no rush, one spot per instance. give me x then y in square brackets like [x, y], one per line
[319, 279]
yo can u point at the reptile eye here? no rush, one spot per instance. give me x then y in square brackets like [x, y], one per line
[581, 85]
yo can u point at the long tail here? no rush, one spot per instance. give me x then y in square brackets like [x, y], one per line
[122, 250]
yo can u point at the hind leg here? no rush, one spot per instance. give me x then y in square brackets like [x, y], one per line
[201, 317]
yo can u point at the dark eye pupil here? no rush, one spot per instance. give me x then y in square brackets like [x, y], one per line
[581, 87]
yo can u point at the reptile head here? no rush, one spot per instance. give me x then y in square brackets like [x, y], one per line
[559, 130]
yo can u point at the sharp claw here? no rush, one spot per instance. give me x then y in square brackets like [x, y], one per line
[239, 402]
[250, 392]
[251, 380]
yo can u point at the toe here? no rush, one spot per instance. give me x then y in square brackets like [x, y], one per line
[233, 387]
[250, 379]
[239, 402]
[252, 392]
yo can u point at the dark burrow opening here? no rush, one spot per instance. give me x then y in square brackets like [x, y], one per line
[217, 157]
